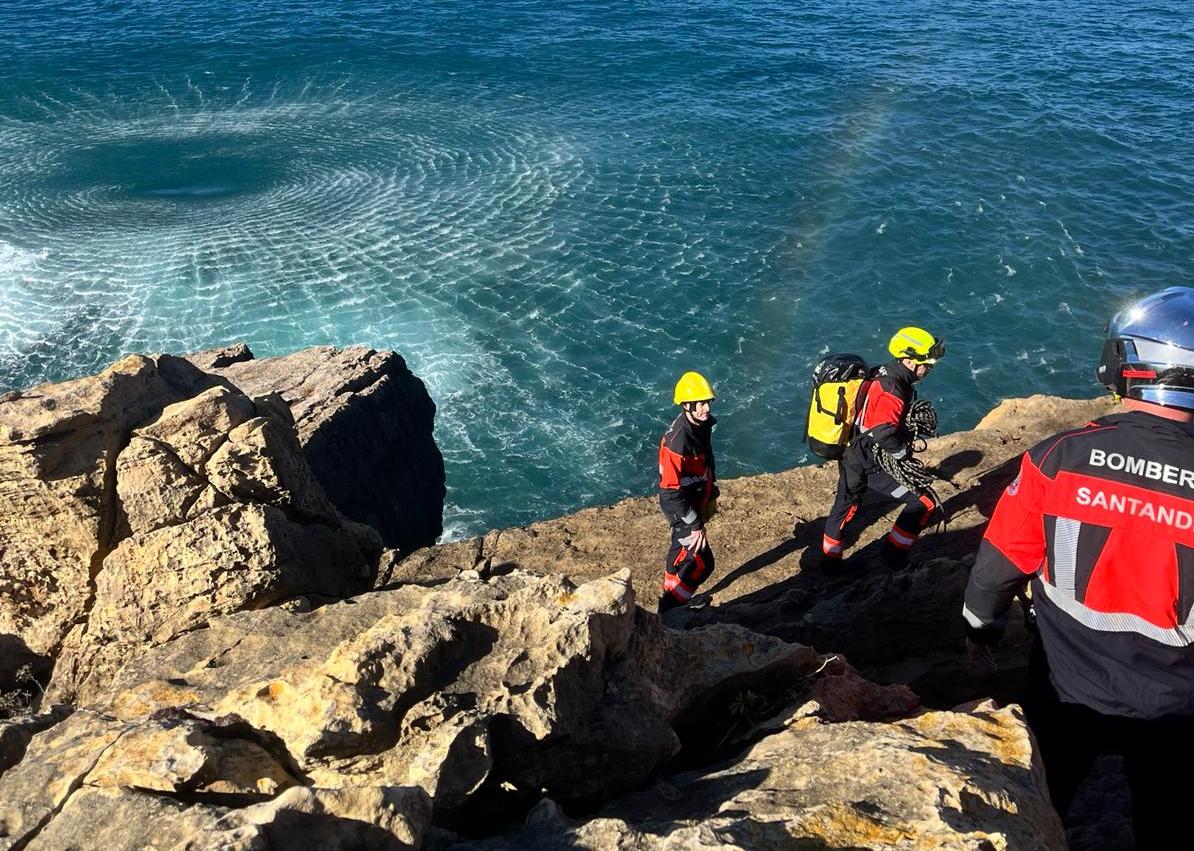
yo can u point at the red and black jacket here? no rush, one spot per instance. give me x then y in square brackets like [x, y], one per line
[686, 471]
[883, 409]
[1101, 519]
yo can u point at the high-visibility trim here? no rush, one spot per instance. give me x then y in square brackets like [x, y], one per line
[850, 512]
[674, 586]
[899, 492]
[977, 622]
[900, 539]
[1178, 636]
[830, 547]
[698, 569]
[691, 480]
[1065, 554]
[690, 517]
[1138, 373]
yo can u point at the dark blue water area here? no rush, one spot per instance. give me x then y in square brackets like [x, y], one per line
[553, 209]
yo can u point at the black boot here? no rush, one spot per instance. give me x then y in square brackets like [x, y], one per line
[892, 556]
[668, 602]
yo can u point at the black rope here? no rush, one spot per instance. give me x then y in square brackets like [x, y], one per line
[909, 471]
[921, 423]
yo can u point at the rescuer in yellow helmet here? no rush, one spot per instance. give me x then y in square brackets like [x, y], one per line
[879, 455]
[688, 489]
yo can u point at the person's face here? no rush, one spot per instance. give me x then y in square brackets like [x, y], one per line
[698, 412]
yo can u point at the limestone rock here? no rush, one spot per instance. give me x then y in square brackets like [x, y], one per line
[211, 360]
[139, 503]
[383, 818]
[365, 423]
[942, 780]
[478, 693]
[117, 819]
[1043, 415]
[767, 538]
[58, 512]
[15, 733]
[175, 579]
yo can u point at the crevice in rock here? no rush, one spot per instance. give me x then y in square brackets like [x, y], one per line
[721, 725]
[498, 805]
[106, 541]
[75, 785]
[173, 454]
[229, 727]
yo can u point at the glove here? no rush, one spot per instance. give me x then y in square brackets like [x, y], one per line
[981, 658]
[709, 510]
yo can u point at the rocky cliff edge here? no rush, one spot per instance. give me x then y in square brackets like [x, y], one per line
[238, 663]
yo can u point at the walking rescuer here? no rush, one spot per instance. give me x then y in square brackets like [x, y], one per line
[688, 490]
[879, 456]
[1101, 520]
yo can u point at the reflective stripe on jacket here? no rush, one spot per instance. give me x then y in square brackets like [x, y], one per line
[1101, 519]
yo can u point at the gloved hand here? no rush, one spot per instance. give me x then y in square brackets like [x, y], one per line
[981, 658]
[709, 510]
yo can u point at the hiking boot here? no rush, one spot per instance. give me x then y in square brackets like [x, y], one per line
[892, 556]
[667, 602]
[829, 563]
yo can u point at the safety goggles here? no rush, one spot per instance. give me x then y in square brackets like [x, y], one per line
[932, 356]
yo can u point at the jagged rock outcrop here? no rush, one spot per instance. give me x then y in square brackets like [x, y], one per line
[187, 585]
[942, 780]
[767, 538]
[365, 423]
[480, 694]
[58, 508]
[15, 733]
[138, 504]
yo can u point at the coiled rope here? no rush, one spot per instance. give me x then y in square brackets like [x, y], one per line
[909, 471]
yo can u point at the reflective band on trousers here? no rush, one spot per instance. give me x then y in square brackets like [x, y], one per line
[901, 540]
[829, 545]
[691, 480]
[672, 584]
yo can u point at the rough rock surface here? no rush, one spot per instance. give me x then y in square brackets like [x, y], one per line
[58, 509]
[480, 694]
[365, 423]
[480, 679]
[767, 539]
[942, 780]
[15, 734]
[137, 504]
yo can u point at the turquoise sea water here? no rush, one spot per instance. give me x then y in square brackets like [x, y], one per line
[554, 208]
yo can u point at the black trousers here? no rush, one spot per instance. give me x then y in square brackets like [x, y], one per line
[855, 476]
[1157, 756]
[685, 569]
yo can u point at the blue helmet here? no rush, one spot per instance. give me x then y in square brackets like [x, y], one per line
[1149, 351]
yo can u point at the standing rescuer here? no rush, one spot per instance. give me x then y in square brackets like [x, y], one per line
[688, 490]
[882, 445]
[1100, 520]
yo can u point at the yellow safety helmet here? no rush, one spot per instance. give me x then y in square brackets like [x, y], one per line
[916, 343]
[693, 387]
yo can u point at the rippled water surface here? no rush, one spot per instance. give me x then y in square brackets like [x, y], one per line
[551, 209]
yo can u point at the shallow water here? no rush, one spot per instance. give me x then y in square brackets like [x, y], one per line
[553, 209]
